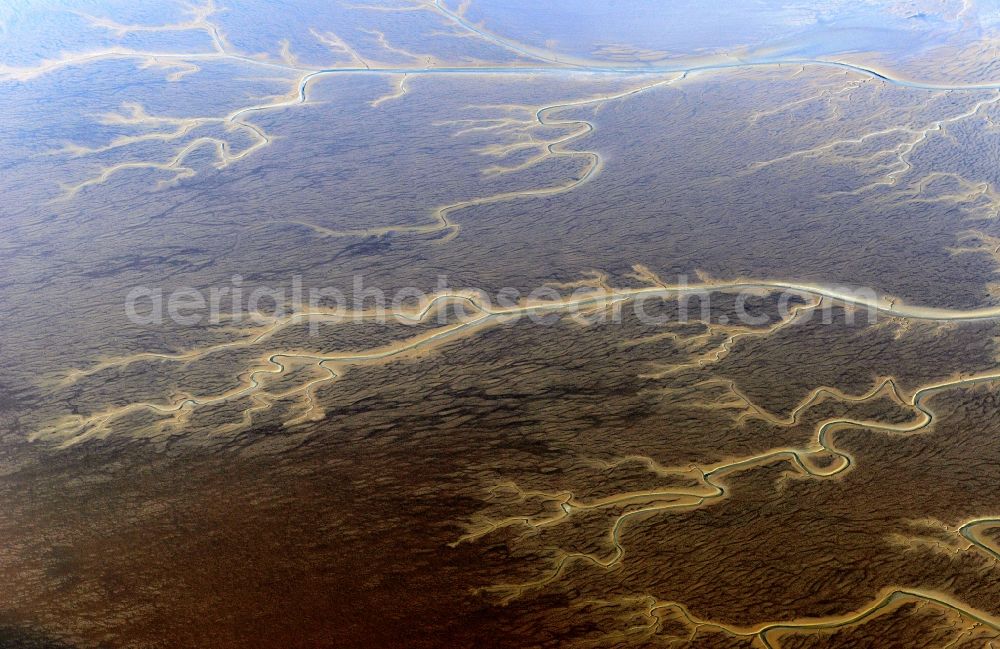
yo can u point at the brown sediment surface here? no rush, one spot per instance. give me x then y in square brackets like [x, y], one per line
[461, 472]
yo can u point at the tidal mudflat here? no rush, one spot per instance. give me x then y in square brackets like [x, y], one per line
[440, 324]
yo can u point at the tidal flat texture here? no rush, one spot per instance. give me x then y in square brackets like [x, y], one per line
[449, 324]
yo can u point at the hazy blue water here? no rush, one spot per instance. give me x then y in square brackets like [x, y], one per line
[690, 27]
